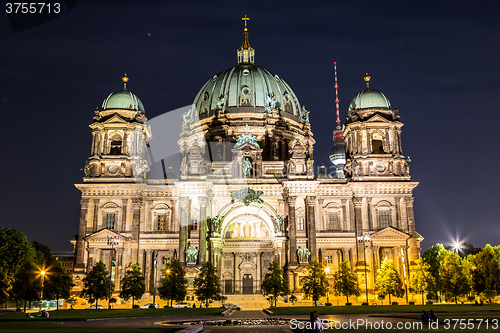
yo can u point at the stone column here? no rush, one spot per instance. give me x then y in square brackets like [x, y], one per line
[413, 250]
[203, 230]
[398, 215]
[136, 220]
[124, 216]
[81, 234]
[183, 229]
[124, 143]
[148, 269]
[345, 225]
[369, 210]
[292, 230]
[96, 214]
[358, 225]
[311, 227]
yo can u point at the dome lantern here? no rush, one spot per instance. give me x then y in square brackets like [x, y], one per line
[245, 53]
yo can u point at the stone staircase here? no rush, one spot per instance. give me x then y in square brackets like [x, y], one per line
[248, 302]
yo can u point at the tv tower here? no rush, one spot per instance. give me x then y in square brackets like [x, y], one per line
[337, 153]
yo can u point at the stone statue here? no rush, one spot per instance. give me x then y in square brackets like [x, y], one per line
[247, 167]
[191, 255]
[278, 220]
[216, 223]
[247, 195]
[270, 103]
[303, 254]
[221, 104]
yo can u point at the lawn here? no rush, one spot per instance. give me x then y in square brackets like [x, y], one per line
[58, 327]
[74, 315]
[360, 309]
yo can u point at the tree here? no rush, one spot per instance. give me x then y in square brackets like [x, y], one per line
[454, 276]
[207, 284]
[486, 272]
[388, 280]
[71, 301]
[173, 284]
[133, 284]
[15, 251]
[274, 284]
[58, 283]
[315, 283]
[345, 282]
[420, 278]
[96, 283]
[434, 256]
[27, 284]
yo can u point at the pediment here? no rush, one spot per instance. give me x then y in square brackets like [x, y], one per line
[247, 146]
[115, 119]
[103, 235]
[377, 119]
[389, 233]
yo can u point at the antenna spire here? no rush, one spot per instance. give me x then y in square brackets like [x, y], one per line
[336, 95]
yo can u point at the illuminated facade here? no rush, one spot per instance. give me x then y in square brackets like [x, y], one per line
[246, 193]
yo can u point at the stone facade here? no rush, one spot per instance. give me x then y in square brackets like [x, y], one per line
[246, 193]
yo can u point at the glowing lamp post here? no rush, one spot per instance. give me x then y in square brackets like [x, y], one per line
[41, 296]
[457, 246]
[365, 238]
[111, 241]
[327, 269]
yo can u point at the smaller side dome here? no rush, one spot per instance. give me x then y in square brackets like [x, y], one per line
[323, 174]
[123, 99]
[369, 98]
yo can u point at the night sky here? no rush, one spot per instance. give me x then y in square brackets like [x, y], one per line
[436, 61]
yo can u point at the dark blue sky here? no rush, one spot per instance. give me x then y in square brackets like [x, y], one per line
[436, 61]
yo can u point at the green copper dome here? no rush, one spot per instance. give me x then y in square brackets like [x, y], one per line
[247, 87]
[369, 99]
[123, 100]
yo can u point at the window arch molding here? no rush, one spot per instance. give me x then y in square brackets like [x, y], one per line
[383, 210]
[111, 215]
[162, 219]
[332, 214]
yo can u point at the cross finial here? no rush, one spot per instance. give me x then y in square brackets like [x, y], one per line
[245, 19]
[297, 136]
[247, 129]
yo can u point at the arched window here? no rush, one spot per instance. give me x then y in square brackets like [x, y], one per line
[383, 209]
[378, 143]
[332, 218]
[110, 216]
[162, 221]
[116, 145]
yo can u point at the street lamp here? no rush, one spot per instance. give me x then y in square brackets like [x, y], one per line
[155, 257]
[112, 240]
[365, 238]
[457, 246]
[41, 296]
[327, 269]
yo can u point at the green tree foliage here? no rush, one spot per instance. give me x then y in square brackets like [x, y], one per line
[315, 283]
[455, 276]
[96, 283]
[434, 256]
[173, 284]
[345, 282]
[388, 280]
[207, 284]
[486, 272]
[420, 278]
[27, 284]
[58, 283]
[132, 284]
[274, 284]
[15, 251]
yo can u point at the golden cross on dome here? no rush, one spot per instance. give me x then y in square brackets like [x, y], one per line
[245, 19]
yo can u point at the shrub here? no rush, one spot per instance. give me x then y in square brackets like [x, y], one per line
[328, 304]
[364, 303]
[429, 303]
[135, 306]
[411, 303]
[348, 304]
[395, 303]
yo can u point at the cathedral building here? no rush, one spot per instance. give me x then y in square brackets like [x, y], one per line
[245, 193]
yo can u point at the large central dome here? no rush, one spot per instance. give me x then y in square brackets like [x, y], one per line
[247, 87]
